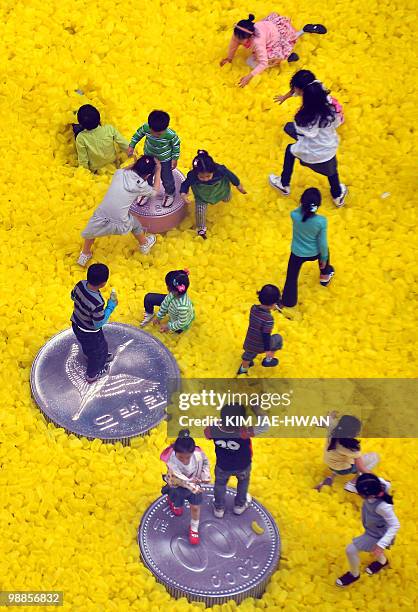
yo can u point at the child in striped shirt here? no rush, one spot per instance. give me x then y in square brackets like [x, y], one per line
[259, 338]
[177, 304]
[162, 143]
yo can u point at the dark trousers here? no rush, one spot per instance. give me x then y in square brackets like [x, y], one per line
[290, 291]
[94, 347]
[167, 177]
[151, 300]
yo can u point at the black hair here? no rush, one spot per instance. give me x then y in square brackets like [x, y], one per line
[248, 24]
[177, 280]
[269, 294]
[369, 485]
[315, 107]
[158, 120]
[344, 433]
[203, 162]
[233, 411]
[97, 274]
[88, 117]
[144, 165]
[184, 443]
[310, 202]
[301, 79]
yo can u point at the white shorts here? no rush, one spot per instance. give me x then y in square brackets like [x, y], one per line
[99, 226]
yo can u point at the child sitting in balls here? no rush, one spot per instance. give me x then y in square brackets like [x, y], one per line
[234, 456]
[342, 452]
[187, 468]
[259, 338]
[380, 528]
[113, 216]
[210, 183]
[88, 318]
[162, 143]
[95, 143]
[176, 304]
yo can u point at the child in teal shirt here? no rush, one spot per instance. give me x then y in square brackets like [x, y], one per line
[309, 243]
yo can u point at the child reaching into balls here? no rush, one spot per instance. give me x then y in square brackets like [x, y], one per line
[380, 528]
[187, 468]
[259, 338]
[113, 216]
[210, 183]
[342, 452]
[176, 305]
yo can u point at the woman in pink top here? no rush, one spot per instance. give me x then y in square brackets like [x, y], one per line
[271, 41]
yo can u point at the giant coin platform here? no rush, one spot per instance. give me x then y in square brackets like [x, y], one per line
[126, 402]
[232, 560]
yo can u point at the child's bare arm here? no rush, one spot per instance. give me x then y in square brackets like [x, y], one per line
[282, 98]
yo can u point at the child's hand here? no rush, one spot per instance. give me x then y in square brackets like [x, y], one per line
[241, 188]
[322, 264]
[174, 163]
[377, 551]
[280, 99]
[185, 198]
[130, 151]
[226, 60]
[156, 321]
[163, 328]
[245, 80]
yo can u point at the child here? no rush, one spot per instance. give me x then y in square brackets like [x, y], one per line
[380, 524]
[162, 143]
[187, 467]
[298, 82]
[177, 304]
[233, 457]
[259, 339]
[314, 130]
[271, 40]
[95, 143]
[88, 318]
[309, 243]
[112, 217]
[210, 183]
[342, 452]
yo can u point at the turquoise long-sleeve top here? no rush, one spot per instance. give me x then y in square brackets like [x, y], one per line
[309, 237]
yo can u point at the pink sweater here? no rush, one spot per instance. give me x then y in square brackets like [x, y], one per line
[273, 40]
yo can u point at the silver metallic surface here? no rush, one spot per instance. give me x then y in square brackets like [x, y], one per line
[231, 561]
[126, 402]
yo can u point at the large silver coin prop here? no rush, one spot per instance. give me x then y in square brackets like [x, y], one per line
[126, 402]
[157, 219]
[232, 561]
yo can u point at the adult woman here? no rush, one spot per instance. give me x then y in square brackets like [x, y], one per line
[271, 40]
[309, 243]
[314, 130]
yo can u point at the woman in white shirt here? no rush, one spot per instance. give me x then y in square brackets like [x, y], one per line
[314, 130]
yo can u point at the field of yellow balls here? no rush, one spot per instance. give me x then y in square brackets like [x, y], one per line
[70, 508]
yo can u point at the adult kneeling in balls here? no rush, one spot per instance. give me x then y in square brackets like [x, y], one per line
[271, 41]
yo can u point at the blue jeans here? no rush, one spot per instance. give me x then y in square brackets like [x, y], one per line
[221, 481]
[167, 177]
[94, 347]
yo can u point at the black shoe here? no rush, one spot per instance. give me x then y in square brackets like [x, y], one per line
[272, 363]
[110, 357]
[375, 567]
[293, 57]
[202, 234]
[346, 579]
[314, 28]
[241, 371]
[325, 283]
[103, 371]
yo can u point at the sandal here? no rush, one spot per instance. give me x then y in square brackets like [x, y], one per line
[168, 201]
[375, 567]
[346, 579]
[314, 28]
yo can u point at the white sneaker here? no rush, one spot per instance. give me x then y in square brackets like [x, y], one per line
[168, 201]
[276, 182]
[240, 509]
[340, 201]
[147, 319]
[145, 248]
[218, 512]
[83, 259]
[350, 487]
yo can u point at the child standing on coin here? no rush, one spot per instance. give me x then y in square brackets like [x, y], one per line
[233, 456]
[187, 468]
[89, 316]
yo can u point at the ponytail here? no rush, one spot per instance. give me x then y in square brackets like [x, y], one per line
[184, 443]
[203, 162]
[245, 28]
